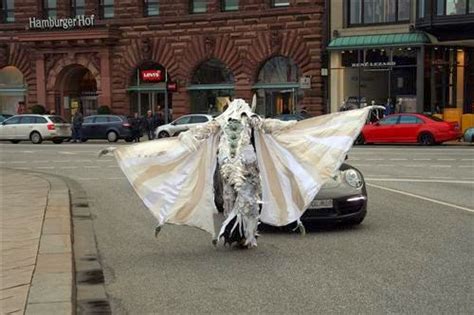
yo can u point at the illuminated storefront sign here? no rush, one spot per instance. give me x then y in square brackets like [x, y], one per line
[66, 23]
[374, 64]
[152, 75]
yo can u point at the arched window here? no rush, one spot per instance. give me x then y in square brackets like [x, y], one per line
[212, 85]
[12, 89]
[277, 86]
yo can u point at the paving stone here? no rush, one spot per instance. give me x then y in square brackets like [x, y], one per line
[54, 263]
[55, 243]
[57, 225]
[59, 308]
[14, 299]
[51, 287]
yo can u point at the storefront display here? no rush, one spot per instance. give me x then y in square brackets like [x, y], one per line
[12, 91]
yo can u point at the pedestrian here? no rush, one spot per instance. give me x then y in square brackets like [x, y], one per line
[149, 125]
[157, 117]
[136, 126]
[77, 121]
[304, 112]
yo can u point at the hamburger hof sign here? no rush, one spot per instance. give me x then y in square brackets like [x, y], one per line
[66, 23]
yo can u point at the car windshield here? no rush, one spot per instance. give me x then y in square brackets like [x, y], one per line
[57, 119]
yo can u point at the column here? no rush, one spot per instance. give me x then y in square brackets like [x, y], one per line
[41, 82]
[105, 97]
[420, 80]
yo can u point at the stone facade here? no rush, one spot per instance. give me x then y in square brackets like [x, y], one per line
[113, 48]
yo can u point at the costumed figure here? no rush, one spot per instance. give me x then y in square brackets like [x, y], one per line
[268, 170]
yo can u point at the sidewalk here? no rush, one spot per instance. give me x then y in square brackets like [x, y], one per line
[36, 253]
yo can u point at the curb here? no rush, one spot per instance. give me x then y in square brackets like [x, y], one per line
[68, 277]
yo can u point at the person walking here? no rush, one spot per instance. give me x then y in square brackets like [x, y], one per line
[77, 121]
[136, 126]
[157, 118]
[149, 125]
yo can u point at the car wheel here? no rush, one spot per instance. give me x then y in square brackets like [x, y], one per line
[84, 139]
[112, 136]
[163, 134]
[426, 138]
[360, 140]
[128, 139]
[58, 141]
[36, 138]
[15, 141]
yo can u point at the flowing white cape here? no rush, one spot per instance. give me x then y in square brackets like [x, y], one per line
[174, 176]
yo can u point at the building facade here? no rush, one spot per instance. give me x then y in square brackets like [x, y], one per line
[389, 52]
[134, 56]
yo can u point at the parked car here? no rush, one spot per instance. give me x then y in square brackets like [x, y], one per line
[342, 199]
[409, 128]
[4, 116]
[469, 135]
[288, 117]
[110, 127]
[35, 128]
[354, 102]
[181, 124]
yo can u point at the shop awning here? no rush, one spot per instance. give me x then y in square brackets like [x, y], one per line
[13, 91]
[380, 40]
[147, 88]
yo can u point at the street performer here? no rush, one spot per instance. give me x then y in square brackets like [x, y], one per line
[268, 170]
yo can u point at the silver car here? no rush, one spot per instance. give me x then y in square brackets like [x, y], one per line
[181, 124]
[35, 128]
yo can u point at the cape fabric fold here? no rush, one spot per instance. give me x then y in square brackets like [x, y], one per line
[295, 161]
[174, 179]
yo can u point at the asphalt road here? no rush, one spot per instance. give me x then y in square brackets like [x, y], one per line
[412, 254]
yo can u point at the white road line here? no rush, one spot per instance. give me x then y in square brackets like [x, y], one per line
[62, 161]
[91, 166]
[18, 162]
[88, 178]
[398, 159]
[446, 159]
[466, 166]
[413, 165]
[432, 180]
[441, 166]
[374, 159]
[112, 166]
[467, 159]
[421, 159]
[45, 167]
[422, 198]
[102, 160]
[66, 153]
[68, 167]
[40, 161]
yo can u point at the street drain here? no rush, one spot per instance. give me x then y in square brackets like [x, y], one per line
[95, 276]
[94, 307]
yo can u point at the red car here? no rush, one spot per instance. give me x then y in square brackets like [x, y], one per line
[409, 128]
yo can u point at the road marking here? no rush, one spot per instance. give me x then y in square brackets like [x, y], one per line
[421, 159]
[103, 160]
[91, 166]
[66, 153]
[374, 159]
[18, 162]
[467, 159]
[62, 161]
[88, 178]
[68, 167]
[433, 180]
[112, 166]
[440, 166]
[398, 159]
[422, 198]
[413, 165]
[446, 159]
[45, 167]
[464, 166]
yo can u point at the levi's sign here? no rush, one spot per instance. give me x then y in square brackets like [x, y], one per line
[66, 23]
[152, 75]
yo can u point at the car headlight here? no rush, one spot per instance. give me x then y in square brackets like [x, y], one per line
[353, 178]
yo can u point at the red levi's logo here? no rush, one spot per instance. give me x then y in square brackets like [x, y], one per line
[152, 75]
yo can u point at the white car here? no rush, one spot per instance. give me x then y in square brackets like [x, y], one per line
[35, 128]
[181, 124]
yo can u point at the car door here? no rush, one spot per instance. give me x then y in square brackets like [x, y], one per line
[101, 124]
[26, 126]
[408, 127]
[87, 125]
[198, 119]
[383, 130]
[8, 128]
[181, 124]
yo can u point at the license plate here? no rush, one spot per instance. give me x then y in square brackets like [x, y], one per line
[321, 203]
